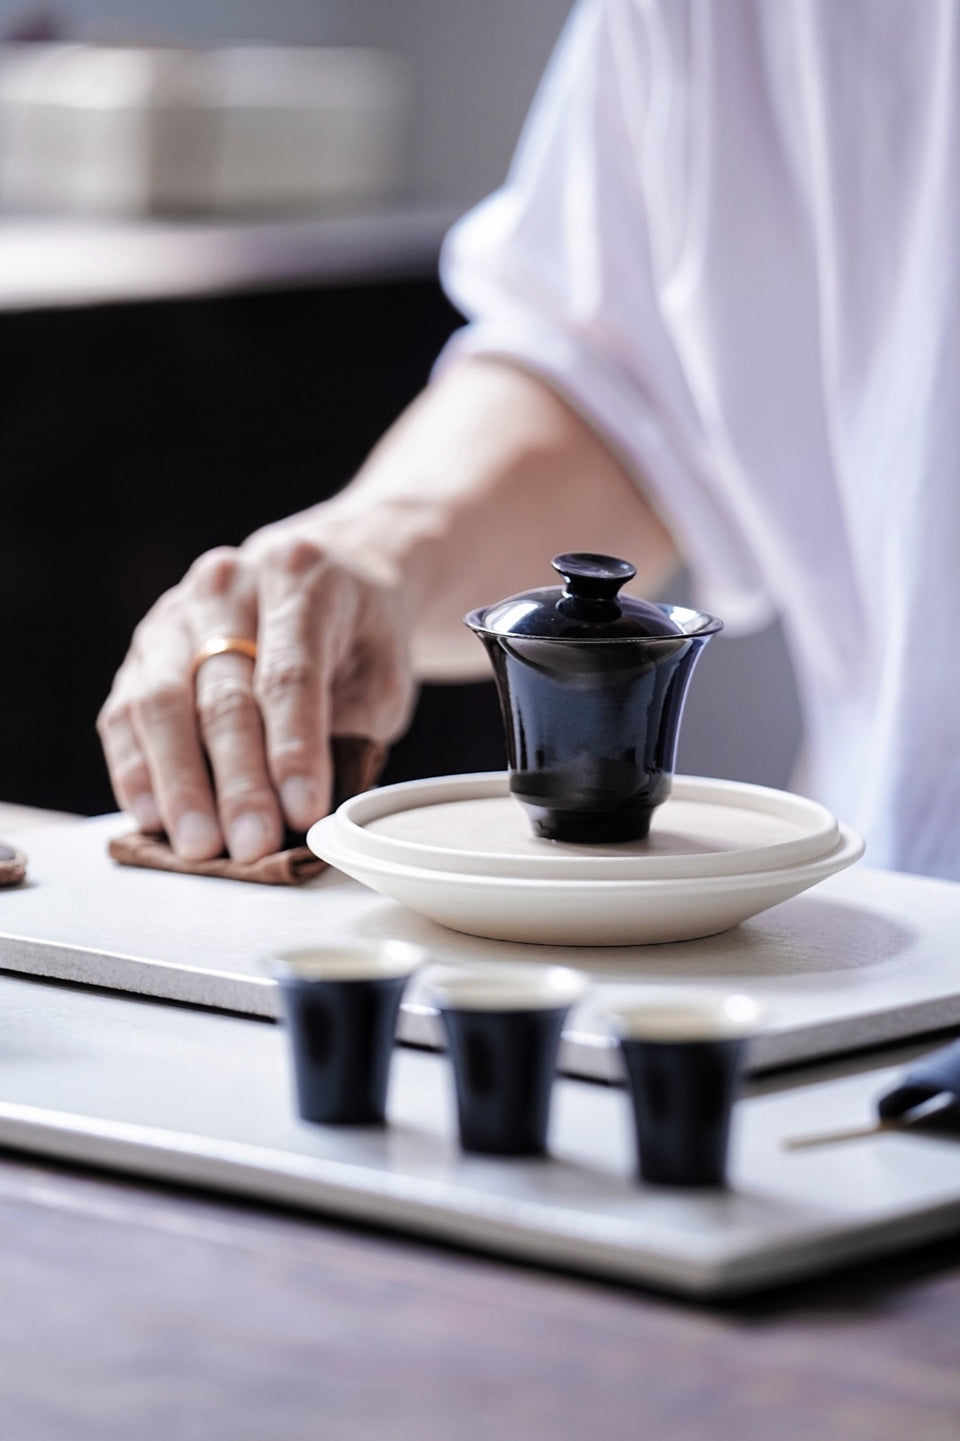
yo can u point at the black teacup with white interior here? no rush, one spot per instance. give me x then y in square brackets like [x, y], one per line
[503, 1025]
[683, 1055]
[341, 1004]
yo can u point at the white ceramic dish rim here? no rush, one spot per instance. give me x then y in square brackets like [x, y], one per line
[588, 913]
[681, 1014]
[354, 816]
[849, 849]
[345, 961]
[503, 987]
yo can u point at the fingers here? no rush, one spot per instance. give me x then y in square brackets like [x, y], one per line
[225, 757]
[306, 616]
[223, 603]
[166, 723]
[332, 660]
[153, 751]
[232, 734]
[126, 762]
[373, 691]
[166, 736]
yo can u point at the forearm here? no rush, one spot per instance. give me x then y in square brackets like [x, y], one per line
[466, 498]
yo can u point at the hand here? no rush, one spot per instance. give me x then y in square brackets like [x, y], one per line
[484, 477]
[230, 757]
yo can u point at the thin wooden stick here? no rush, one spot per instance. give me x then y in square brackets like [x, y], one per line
[915, 1119]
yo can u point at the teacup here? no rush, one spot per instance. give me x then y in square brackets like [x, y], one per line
[683, 1054]
[341, 1004]
[503, 1026]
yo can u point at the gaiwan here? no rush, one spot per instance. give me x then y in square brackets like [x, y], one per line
[592, 685]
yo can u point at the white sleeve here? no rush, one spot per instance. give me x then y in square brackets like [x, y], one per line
[556, 271]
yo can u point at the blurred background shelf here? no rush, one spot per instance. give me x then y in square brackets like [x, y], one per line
[47, 263]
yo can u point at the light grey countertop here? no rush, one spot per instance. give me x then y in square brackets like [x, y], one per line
[22, 818]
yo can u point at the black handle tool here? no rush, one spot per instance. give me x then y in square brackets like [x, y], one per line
[928, 1094]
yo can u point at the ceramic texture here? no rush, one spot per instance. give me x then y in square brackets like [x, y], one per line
[503, 1026]
[581, 912]
[588, 606]
[683, 1094]
[504, 1064]
[341, 1041]
[591, 688]
[470, 825]
[592, 730]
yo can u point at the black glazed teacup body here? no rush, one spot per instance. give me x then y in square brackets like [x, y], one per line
[683, 1058]
[503, 1031]
[591, 688]
[341, 1005]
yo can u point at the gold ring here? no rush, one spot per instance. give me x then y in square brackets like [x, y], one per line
[223, 645]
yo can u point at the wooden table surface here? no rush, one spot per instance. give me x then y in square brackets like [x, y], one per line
[140, 1312]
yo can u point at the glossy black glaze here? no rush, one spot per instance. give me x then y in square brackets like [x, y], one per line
[341, 1034]
[936, 1074]
[592, 730]
[591, 690]
[682, 1094]
[586, 607]
[503, 1067]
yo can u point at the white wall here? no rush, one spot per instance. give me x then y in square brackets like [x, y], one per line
[477, 64]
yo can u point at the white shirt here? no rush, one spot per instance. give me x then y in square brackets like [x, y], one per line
[731, 237]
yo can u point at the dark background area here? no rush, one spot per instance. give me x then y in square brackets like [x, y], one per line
[135, 436]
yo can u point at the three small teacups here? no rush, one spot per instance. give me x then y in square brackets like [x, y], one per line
[683, 1050]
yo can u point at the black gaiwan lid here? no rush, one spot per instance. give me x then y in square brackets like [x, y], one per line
[587, 607]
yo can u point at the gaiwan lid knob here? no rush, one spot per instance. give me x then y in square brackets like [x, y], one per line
[593, 577]
[587, 607]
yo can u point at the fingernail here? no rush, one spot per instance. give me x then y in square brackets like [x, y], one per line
[143, 808]
[249, 837]
[196, 836]
[300, 802]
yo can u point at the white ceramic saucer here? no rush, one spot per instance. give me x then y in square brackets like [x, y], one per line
[568, 910]
[472, 825]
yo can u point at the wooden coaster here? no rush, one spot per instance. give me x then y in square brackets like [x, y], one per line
[13, 865]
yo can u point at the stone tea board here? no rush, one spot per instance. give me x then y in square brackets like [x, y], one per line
[192, 1097]
[864, 958]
